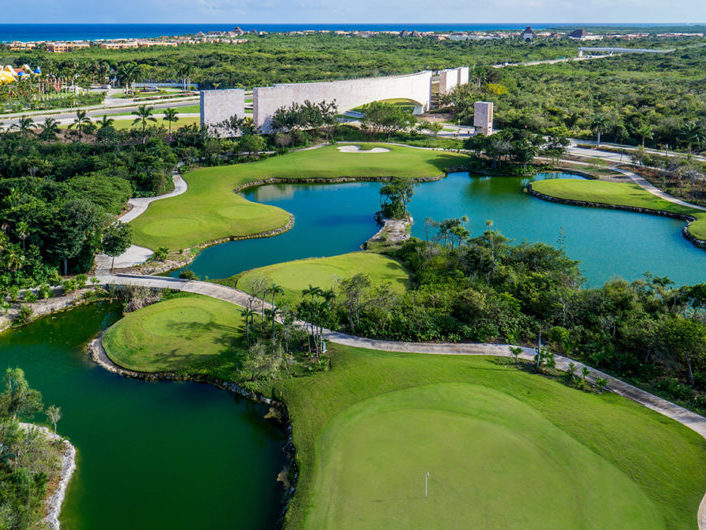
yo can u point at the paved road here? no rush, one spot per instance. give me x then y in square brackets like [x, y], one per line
[97, 110]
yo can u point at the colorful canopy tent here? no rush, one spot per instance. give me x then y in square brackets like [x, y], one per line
[9, 74]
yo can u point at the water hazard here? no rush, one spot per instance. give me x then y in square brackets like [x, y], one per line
[337, 218]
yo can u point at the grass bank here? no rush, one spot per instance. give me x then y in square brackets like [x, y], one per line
[619, 194]
[210, 211]
[294, 276]
[505, 448]
[189, 333]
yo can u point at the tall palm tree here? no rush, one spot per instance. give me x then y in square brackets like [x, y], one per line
[693, 135]
[82, 123]
[170, 116]
[25, 126]
[105, 121]
[127, 73]
[50, 130]
[249, 315]
[143, 115]
[645, 131]
[600, 124]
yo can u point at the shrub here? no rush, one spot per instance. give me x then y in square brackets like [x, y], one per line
[160, 254]
[23, 315]
[188, 274]
[45, 291]
[30, 297]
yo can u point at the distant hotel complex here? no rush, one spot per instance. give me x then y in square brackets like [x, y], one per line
[235, 37]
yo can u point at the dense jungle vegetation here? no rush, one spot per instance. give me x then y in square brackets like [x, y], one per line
[651, 100]
[279, 58]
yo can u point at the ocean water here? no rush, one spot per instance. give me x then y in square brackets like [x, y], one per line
[32, 32]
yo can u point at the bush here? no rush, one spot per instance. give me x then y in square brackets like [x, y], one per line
[30, 297]
[23, 315]
[45, 291]
[188, 274]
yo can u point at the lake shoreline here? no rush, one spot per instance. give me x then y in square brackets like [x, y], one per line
[100, 357]
[54, 500]
[699, 243]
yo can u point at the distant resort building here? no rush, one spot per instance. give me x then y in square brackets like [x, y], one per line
[528, 35]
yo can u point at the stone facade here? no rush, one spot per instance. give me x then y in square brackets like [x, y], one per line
[452, 77]
[219, 105]
[347, 94]
[483, 117]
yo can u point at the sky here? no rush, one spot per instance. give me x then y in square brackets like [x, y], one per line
[356, 11]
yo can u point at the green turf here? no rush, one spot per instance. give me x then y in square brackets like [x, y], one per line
[194, 332]
[505, 449]
[618, 193]
[210, 210]
[294, 276]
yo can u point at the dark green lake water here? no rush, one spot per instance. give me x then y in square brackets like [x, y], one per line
[337, 218]
[150, 455]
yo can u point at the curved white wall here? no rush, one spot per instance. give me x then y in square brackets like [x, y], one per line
[348, 94]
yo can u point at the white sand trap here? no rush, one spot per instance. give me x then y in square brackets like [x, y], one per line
[357, 149]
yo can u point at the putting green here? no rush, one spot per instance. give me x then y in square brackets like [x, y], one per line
[494, 462]
[189, 332]
[618, 193]
[294, 276]
[209, 210]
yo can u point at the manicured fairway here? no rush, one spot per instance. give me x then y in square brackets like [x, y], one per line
[619, 193]
[190, 332]
[505, 449]
[294, 276]
[210, 210]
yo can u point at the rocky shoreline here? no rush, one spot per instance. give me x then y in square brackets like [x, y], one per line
[100, 357]
[47, 306]
[68, 466]
[393, 232]
[700, 243]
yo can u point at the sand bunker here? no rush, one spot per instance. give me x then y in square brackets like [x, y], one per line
[357, 149]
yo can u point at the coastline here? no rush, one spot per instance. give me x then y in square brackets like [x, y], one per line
[700, 243]
[55, 501]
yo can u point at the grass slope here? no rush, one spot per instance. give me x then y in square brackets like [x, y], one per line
[294, 276]
[504, 448]
[618, 193]
[209, 210]
[189, 333]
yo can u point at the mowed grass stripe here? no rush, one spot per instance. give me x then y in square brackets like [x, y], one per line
[618, 193]
[209, 210]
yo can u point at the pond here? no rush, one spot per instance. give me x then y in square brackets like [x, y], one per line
[150, 455]
[333, 219]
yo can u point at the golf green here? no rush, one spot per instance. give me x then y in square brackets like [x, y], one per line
[494, 462]
[295, 276]
[505, 448]
[209, 210]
